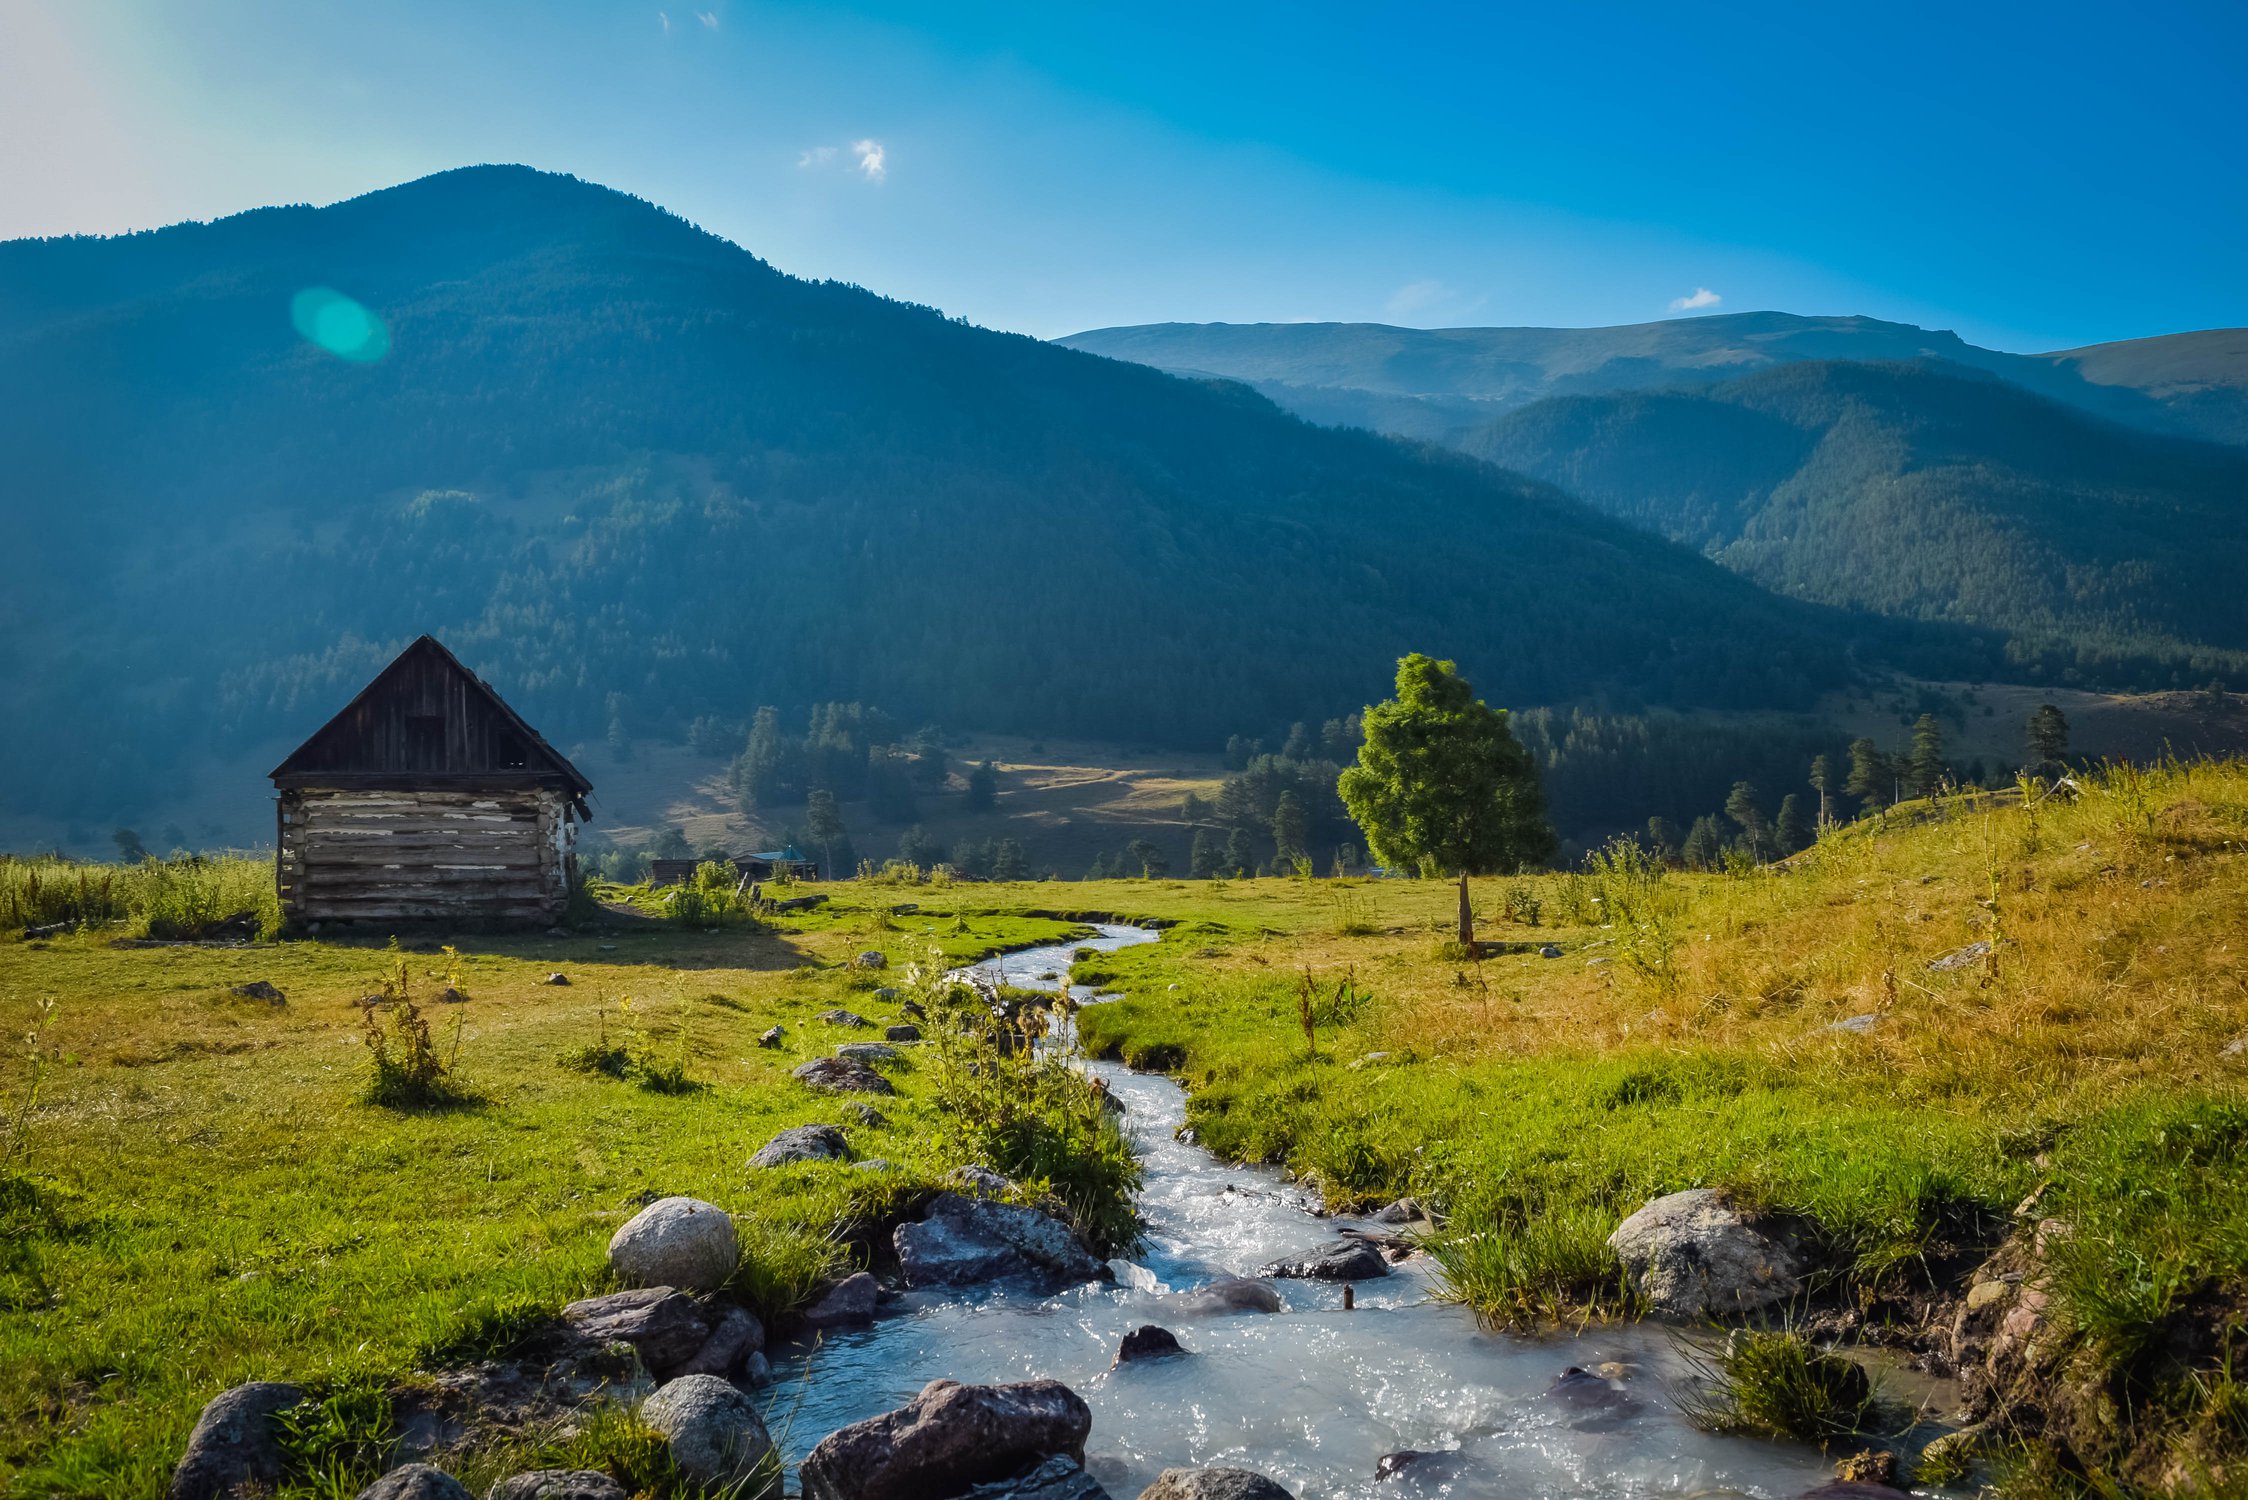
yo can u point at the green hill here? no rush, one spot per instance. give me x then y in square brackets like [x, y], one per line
[1925, 491]
[635, 476]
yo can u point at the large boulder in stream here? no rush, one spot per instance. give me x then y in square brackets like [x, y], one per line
[962, 1241]
[1213, 1484]
[1695, 1254]
[947, 1438]
[1055, 1478]
[676, 1242]
[1344, 1259]
[1230, 1294]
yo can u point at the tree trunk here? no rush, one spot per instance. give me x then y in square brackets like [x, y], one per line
[1467, 916]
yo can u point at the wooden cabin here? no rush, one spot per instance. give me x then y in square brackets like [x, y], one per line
[427, 802]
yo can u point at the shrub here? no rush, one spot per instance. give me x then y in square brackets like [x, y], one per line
[632, 1055]
[1026, 1111]
[404, 1068]
[1779, 1384]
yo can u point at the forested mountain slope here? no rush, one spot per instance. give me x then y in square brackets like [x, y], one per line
[1438, 384]
[1926, 491]
[634, 475]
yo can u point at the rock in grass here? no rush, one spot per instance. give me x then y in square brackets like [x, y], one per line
[1694, 1254]
[1337, 1260]
[1549, 951]
[557, 977]
[664, 1326]
[1055, 1478]
[868, 1052]
[236, 1443]
[849, 1018]
[1147, 1342]
[714, 1433]
[872, 958]
[961, 1241]
[770, 1037]
[259, 989]
[848, 1303]
[905, 1033]
[840, 1075]
[869, 1116]
[678, 1242]
[1213, 1484]
[1961, 958]
[735, 1334]
[914, 1009]
[416, 1482]
[557, 1484]
[980, 1182]
[802, 1143]
[947, 1438]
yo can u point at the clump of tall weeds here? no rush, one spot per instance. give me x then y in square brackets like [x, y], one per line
[1024, 1108]
[405, 1067]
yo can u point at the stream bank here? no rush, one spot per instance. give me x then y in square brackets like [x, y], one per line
[1314, 1395]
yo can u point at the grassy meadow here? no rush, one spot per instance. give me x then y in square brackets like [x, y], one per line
[216, 1201]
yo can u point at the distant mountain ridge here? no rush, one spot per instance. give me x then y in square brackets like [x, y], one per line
[634, 476]
[1922, 490]
[1436, 383]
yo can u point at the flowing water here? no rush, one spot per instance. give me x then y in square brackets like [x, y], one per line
[1312, 1395]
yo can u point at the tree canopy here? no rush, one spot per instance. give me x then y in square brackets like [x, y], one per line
[1442, 783]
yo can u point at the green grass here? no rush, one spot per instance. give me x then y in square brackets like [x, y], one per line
[206, 1196]
[213, 1202]
[1776, 1383]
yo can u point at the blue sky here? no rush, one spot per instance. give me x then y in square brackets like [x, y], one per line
[2032, 176]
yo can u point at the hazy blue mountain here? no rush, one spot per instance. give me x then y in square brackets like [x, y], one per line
[1927, 491]
[634, 475]
[1438, 383]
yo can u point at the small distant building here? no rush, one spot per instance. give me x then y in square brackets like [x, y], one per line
[769, 864]
[427, 801]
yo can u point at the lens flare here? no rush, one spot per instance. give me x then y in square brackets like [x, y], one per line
[345, 328]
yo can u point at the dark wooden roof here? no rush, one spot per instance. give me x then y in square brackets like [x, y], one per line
[428, 721]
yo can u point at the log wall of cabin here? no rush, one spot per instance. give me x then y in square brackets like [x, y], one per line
[472, 858]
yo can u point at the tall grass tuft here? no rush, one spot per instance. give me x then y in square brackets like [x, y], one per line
[1778, 1384]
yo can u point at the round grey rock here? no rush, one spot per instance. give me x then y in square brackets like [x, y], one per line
[676, 1242]
[416, 1482]
[1695, 1254]
[714, 1432]
[802, 1143]
[236, 1443]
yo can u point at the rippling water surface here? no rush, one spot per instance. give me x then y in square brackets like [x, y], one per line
[1312, 1395]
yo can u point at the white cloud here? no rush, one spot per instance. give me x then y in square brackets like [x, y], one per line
[709, 18]
[1703, 297]
[1416, 296]
[870, 157]
[818, 156]
[663, 19]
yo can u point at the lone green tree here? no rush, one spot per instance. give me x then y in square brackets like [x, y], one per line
[1791, 831]
[2048, 739]
[1872, 774]
[1442, 783]
[1745, 807]
[1822, 782]
[824, 823]
[1928, 768]
[1290, 828]
[983, 787]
